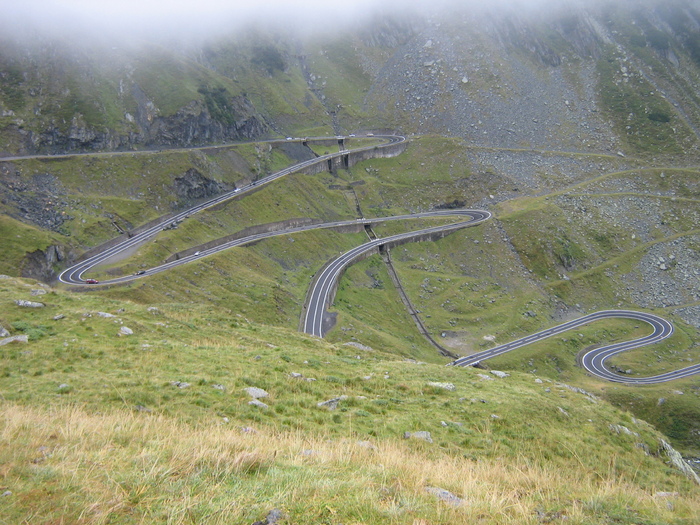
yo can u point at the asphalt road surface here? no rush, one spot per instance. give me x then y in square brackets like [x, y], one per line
[594, 360]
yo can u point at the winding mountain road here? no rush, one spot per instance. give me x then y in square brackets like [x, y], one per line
[75, 274]
[315, 317]
[323, 288]
[593, 361]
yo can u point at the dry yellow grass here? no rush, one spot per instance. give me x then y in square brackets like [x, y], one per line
[69, 465]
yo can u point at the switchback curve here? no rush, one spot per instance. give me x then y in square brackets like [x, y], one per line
[74, 275]
[593, 361]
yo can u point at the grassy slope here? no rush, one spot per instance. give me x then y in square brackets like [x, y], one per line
[464, 296]
[453, 282]
[179, 454]
[20, 239]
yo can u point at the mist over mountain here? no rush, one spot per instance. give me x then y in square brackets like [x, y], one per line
[589, 76]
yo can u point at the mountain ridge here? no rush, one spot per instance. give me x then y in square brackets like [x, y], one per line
[582, 72]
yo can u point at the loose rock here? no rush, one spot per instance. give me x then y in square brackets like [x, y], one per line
[332, 404]
[420, 434]
[256, 392]
[14, 339]
[359, 346]
[620, 429]
[273, 518]
[258, 403]
[125, 331]
[446, 386]
[28, 304]
[445, 495]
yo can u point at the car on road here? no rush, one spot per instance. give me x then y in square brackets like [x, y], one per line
[290, 138]
[197, 253]
[92, 281]
[140, 272]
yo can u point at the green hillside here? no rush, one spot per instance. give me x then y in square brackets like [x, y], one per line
[163, 412]
[577, 128]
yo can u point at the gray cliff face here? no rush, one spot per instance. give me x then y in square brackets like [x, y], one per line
[192, 125]
[40, 264]
[193, 185]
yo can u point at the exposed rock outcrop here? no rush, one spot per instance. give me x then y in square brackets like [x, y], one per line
[677, 461]
[193, 185]
[191, 125]
[39, 264]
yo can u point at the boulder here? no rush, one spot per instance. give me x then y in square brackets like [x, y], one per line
[420, 434]
[14, 339]
[332, 404]
[28, 304]
[256, 392]
[445, 386]
[677, 461]
[445, 495]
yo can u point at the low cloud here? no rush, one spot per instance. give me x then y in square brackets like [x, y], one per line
[206, 18]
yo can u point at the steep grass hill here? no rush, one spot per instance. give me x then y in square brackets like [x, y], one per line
[117, 411]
